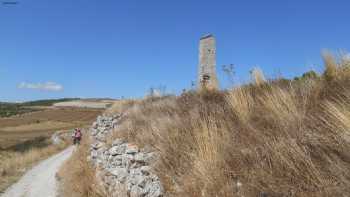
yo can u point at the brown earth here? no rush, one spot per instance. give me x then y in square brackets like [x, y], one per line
[18, 129]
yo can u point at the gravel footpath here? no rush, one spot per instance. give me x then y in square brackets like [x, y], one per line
[40, 181]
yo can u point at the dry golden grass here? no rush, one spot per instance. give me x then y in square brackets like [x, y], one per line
[77, 177]
[120, 106]
[14, 164]
[267, 138]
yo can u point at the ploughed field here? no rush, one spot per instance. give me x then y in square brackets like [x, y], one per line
[19, 129]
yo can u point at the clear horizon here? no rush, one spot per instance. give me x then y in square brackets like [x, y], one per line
[82, 49]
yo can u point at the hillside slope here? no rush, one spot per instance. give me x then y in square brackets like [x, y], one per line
[267, 138]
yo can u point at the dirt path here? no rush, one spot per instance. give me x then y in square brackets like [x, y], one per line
[40, 181]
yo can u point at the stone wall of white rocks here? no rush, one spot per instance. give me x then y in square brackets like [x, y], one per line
[121, 166]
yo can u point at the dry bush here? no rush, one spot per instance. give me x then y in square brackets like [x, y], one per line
[335, 68]
[14, 164]
[330, 66]
[77, 176]
[273, 138]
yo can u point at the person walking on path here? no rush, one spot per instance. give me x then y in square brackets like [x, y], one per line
[77, 135]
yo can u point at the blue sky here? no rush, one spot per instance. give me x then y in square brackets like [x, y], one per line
[115, 48]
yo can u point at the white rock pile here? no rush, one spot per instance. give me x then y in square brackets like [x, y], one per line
[122, 166]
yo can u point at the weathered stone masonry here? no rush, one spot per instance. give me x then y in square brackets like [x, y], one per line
[207, 78]
[122, 167]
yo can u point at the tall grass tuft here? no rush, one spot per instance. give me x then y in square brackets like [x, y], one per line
[331, 66]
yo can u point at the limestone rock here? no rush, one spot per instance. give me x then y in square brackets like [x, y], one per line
[123, 166]
[120, 173]
[117, 150]
[97, 145]
[117, 142]
[131, 149]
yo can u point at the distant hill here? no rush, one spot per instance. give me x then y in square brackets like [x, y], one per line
[10, 109]
[47, 102]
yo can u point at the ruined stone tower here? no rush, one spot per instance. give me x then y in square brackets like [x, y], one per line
[207, 64]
